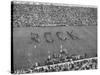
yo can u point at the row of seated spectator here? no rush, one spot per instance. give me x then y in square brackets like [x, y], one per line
[84, 64]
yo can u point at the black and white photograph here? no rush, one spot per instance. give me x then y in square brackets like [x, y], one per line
[53, 37]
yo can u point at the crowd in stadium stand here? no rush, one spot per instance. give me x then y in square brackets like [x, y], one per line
[63, 62]
[26, 15]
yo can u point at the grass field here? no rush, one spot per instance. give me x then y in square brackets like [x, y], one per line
[25, 54]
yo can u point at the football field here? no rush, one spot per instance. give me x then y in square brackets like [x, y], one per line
[27, 51]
